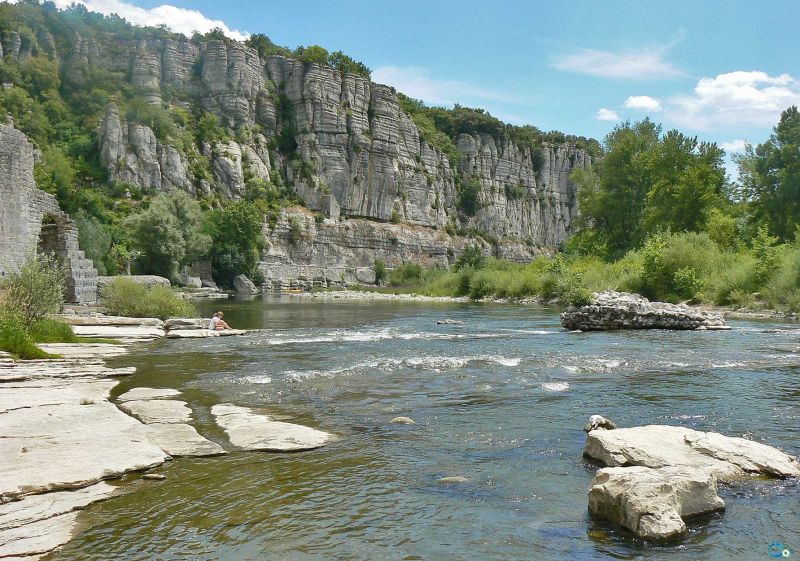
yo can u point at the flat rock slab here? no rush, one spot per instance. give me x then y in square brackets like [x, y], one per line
[110, 321]
[166, 421]
[202, 333]
[35, 393]
[148, 393]
[180, 439]
[656, 446]
[158, 410]
[44, 369]
[144, 332]
[65, 446]
[253, 431]
[40, 523]
[84, 350]
[661, 474]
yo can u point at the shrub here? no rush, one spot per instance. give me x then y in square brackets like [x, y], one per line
[380, 271]
[124, 297]
[38, 288]
[407, 274]
[14, 337]
[471, 257]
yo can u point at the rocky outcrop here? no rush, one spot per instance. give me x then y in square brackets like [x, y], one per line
[30, 221]
[659, 475]
[306, 250]
[622, 310]
[243, 285]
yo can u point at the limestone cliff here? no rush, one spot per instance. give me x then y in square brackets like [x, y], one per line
[340, 141]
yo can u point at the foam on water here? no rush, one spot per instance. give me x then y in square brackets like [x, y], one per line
[555, 386]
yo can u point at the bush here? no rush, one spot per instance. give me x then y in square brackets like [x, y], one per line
[380, 271]
[471, 257]
[124, 297]
[405, 275]
[15, 339]
[37, 289]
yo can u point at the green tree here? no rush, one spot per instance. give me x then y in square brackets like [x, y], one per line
[312, 54]
[647, 182]
[238, 240]
[168, 234]
[769, 177]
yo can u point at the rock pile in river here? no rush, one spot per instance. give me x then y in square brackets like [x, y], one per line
[658, 475]
[623, 310]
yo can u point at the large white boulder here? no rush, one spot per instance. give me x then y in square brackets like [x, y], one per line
[661, 474]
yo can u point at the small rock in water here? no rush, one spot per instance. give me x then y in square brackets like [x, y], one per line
[599, 422]
[449, 322]
[154, 477]
[403, 421]
[453, 479]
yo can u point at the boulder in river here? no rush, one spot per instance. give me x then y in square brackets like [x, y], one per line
[623, 310]
[244, 285]
[658, 475]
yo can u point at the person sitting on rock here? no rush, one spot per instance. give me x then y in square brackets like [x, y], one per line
[217, 323]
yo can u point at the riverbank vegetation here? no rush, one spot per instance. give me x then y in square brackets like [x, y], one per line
[26, 299]
[124, 297]
[659, 218]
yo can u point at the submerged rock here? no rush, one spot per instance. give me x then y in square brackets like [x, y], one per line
[661, 474]
[403, 421]
[623, 310]
[453, 479]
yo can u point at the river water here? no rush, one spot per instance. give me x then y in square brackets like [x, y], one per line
[500, 400]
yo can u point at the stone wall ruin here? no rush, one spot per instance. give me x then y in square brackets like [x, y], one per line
[31, 220]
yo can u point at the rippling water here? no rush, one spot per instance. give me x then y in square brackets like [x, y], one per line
[500, 400]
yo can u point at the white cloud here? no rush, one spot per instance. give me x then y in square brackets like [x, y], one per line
[181, 20]
[631, 65]
[733, 145]
[606, 115]
[735, 99]
[417, 83]
[643, 103]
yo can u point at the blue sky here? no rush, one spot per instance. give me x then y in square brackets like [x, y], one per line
[720, 70]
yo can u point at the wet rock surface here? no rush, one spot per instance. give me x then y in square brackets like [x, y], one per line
[623, 310]
[253, 431]
[658, 475]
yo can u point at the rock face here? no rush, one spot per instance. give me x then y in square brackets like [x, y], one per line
[659, 475]
[622, 310]
[305, 252]
[351, 150]
[30, 221]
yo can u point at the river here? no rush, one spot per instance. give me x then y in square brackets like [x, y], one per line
[501, 400]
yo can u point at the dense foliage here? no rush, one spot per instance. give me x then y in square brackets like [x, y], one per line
[648, 181]
[26, 298]
[124, 297]
[770, 178]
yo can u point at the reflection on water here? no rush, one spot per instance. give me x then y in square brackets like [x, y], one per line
[500, 400]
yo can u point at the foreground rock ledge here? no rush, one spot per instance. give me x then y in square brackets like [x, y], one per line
[660, 475]
[623, 310]
[252, 431]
